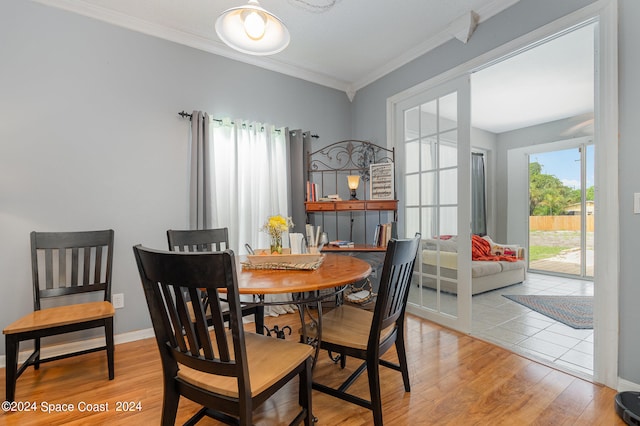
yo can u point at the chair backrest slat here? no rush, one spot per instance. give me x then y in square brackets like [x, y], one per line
[86, 270]
[219, 329]
[394, 285]
[184, 321]
[62, 267]
[48, 259]
[98, 266]
[169, 315]
[180, 277]
[56, 262]
[74, 267]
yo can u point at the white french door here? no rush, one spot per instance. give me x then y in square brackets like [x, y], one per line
[432, 138]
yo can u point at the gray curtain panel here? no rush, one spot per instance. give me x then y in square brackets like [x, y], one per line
[200, 196]
[478, 197]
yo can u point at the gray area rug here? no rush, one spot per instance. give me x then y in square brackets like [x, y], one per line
[574, 311]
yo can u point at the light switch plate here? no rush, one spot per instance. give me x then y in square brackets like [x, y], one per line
[636, 203]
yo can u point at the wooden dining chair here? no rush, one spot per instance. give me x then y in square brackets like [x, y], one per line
[216, 239]
[227, 371]
[64, 265]
[350, 331]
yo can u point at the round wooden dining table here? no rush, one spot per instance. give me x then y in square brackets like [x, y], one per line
[336, 270]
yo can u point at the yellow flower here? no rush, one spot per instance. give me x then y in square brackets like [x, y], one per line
[277, 224]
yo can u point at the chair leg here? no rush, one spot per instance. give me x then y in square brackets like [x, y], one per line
[373, 374]
[170, 401]
[36, 361]
[12, 344]
[108, 330]
[402, 359]
[259, 319]
[304, 392]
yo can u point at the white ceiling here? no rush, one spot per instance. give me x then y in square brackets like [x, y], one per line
[355, 42]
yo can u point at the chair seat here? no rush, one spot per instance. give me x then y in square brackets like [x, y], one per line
[268, 360]
[348, 326]
[60, 316]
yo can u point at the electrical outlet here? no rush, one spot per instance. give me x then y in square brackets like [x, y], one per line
[374, 273]
[118, 300]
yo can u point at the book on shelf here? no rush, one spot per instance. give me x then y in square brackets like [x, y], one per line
[312, 191]
[384, 232]
[334, 197]
[342, 243]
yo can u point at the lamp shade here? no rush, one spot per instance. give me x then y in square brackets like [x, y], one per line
[251, 29]
[353, 181]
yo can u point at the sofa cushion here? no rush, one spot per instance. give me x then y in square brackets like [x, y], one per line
[481, 268]
[512, 266]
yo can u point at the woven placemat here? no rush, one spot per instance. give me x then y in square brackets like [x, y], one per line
[283, 265]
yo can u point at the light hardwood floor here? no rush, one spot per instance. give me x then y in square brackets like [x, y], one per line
[455, 380]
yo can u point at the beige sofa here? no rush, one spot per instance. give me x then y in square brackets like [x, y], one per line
[485, 275]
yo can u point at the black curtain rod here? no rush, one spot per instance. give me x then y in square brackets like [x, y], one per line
[185, 114]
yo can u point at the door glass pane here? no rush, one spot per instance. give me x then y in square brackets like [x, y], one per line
[448, 221]
[411, 123]
[428, 188]
[449, 186]
[412, 217]
[412, 157]
[412, 190]
[428, 119]
[427, 156]
[428, 218]
[448, 154]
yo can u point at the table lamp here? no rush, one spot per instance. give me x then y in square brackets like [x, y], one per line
[353, 181]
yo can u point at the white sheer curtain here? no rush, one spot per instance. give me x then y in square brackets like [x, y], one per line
[248, 180]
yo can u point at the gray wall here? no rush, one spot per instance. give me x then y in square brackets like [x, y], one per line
[90, 137]
[369, 115]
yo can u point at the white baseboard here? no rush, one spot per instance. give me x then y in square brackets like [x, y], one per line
[625, 385]
[64, 348]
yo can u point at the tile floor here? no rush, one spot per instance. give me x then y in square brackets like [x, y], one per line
[508, 324]
[516, 327]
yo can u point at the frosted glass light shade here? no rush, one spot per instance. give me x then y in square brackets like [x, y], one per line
[247, 37]
[353, 181]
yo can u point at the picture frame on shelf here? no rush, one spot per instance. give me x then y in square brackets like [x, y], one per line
[381, 183]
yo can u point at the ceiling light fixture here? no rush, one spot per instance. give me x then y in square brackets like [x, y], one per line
[251, 29]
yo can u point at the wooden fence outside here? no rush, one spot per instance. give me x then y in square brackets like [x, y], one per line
[559, 223]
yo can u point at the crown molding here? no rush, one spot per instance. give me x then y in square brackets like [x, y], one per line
[192, 40]
[447, 33]
[205, 44]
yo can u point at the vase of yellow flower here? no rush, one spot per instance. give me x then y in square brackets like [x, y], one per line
[275, 226]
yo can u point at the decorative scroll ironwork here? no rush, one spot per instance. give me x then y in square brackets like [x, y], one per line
[352, 156]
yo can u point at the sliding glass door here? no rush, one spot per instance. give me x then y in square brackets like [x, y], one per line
[562, 211]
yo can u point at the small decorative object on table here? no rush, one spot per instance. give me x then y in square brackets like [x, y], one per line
[275, 226]
[262, 260]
